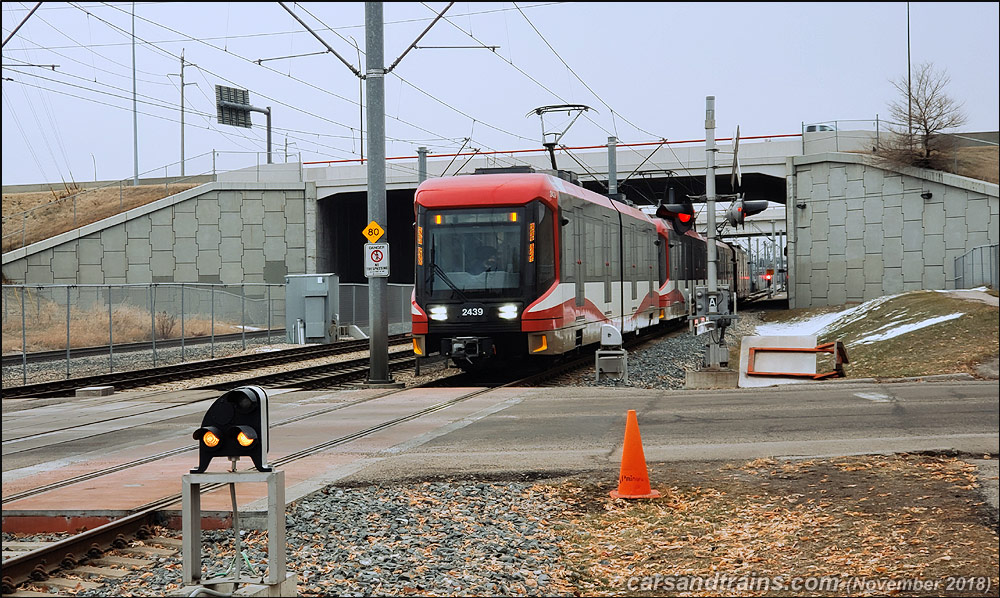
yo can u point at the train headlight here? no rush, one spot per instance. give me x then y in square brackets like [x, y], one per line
[507, 312]
[439, 313]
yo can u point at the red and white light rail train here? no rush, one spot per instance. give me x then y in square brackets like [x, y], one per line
[526, 263]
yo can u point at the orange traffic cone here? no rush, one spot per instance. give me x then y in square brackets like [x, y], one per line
[633, 481]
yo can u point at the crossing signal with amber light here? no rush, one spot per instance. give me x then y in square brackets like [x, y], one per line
[738, 212]
[236, 425]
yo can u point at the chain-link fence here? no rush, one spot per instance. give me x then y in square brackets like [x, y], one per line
[165, 322]
[354, 307]
[977, 268]
[113, 319]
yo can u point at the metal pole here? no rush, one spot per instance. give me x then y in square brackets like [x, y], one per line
[135, 108]
[269, 314]
[152, 319]
[774, 261]
[269, 135]
[375, 87]
[212, 299]
[67, 332]
[909, 90]
[182, 321]
[713, 287]
[111, 336]
[612, 166]
[24, 339]
[756, 261]
[421, 164]
[182, 116]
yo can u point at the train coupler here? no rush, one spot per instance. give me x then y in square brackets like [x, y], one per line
[467, 347]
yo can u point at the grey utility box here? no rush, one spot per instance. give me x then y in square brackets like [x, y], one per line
[312, 308]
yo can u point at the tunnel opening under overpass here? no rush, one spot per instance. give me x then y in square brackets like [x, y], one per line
[342, 217]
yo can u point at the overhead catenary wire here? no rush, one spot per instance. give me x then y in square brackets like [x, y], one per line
[307, 137]
[403, 80]
[528, 76]
[348, 127]
[323, 90]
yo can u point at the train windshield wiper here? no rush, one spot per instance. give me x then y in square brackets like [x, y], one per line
[436, 269]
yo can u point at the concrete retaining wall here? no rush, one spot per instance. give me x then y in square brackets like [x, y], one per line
[215, 233]
[860, 231]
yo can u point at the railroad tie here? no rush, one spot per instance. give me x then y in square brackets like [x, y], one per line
[122, 561]
[149, 551]
[101, 571]
[168, 542]
[71, 584]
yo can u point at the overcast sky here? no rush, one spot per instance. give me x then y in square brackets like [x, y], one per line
[644, 69]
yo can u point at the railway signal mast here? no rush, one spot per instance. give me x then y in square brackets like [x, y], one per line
[712, 305]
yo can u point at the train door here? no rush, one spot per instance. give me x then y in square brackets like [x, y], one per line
[662, 262]
[616, 259]
[651, 246]
[576, 221]
[608, 249]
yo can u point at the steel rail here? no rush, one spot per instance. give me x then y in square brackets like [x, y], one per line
[16, 359]
[42, 562]
[39, 563]
[139, 378]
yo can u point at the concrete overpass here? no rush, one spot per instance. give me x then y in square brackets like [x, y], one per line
[855, 229]
[645, 172]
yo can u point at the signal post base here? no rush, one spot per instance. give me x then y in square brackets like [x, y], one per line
[276, 545]
[289, 587]
[711, 378]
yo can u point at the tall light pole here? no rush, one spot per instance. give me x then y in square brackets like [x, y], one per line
[909, 89]
[135, 109]
[182, 109]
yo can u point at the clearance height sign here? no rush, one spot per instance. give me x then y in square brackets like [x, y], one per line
[376, 254]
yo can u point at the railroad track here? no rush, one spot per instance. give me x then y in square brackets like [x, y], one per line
[74, 555]
[67, 555]
[16, 359]
[148, 377]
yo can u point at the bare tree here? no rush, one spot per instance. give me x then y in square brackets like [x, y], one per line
[922, 113]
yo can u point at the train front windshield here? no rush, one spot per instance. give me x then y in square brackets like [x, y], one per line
[471, 253]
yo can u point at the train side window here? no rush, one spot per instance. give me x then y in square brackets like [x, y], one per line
[545, 248]
[592, 250]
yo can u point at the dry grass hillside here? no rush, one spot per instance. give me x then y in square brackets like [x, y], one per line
[981, 163]
[32, 217]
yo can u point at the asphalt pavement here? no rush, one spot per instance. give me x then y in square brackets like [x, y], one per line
[564, 430]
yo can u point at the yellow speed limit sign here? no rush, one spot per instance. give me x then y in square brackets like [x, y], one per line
[373, 232]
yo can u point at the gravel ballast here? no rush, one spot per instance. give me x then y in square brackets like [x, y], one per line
[429, 538]
[435, 538]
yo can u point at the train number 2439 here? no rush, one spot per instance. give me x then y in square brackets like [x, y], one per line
[472, 311]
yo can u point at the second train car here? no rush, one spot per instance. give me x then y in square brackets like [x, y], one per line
[527, 263]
